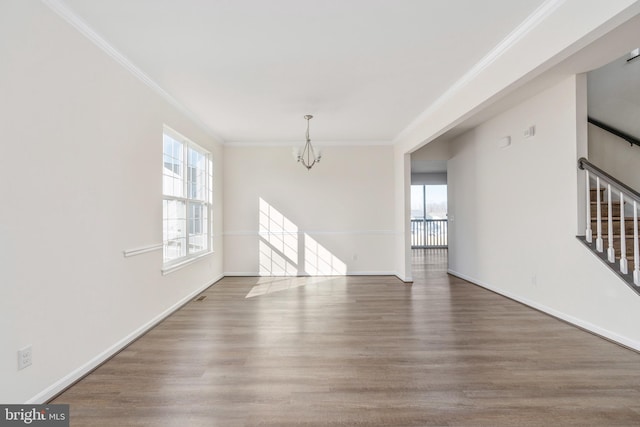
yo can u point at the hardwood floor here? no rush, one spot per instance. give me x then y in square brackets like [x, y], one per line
[361, 351]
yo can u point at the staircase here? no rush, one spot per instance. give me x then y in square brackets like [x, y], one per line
[612, 223]
[615, 226]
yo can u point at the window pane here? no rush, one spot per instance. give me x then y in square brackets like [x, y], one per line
[436, 201]
[417, 201]
[174, 229]
[198, 231]
[187, 180]
[172, 184]
[435, 197]
[197, 174]
[177, 150]
[209, 181]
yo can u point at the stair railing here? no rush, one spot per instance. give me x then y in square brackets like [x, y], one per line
[625, 194]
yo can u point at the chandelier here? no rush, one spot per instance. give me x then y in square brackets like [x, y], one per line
[308, 157]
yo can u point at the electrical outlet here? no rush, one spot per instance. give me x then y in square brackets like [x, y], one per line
[24, 357]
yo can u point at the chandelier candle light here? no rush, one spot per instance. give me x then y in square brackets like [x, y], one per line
[308, 157]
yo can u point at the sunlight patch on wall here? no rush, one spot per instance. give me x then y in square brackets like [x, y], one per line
[318, 261]
[273, 263]
[278, 243]
[286, 251]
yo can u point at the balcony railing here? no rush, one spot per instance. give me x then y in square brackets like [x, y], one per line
[428, 233]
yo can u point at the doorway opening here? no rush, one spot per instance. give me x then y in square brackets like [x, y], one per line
[429, 226]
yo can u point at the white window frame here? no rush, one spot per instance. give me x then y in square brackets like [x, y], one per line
[206, 202]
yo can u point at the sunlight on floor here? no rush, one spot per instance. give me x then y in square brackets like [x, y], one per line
[271, 285]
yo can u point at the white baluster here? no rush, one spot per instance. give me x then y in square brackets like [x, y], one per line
[589, 233]
[599, 246]
[636, 251]
[425, 234]
[624, 265]
[611, 252]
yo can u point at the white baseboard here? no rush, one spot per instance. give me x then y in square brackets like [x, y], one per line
[580, 323]
[92, 364]
[404, 278]
[350, 273]
[371, 273]
[242, 274]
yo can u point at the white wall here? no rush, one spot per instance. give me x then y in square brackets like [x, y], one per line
[429, 163]
[614, 99]
[513, 216]
[344, 204]
[80, 182]
[614, 94]
[541, 43]
[402, 213]
[433, 151]
[615, 156]
[534, 48]
[430, 178]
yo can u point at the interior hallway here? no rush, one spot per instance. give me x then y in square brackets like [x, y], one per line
[361, 351]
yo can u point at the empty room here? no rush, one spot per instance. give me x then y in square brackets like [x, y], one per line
[296, 213]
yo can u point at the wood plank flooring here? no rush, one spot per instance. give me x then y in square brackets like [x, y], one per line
[361, 351]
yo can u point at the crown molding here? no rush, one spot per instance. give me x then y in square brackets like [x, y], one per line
[334, 143]
[525, 27]
[63, 11]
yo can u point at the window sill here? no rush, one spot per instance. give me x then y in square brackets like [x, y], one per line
[180, 265]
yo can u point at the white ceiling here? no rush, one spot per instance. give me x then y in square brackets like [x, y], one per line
[251, 69]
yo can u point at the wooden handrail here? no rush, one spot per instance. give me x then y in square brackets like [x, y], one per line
[585, 164]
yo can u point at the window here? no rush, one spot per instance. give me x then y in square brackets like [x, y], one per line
[429, 227]
[428, 201]
[187, 196]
